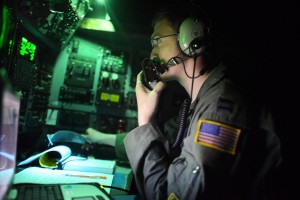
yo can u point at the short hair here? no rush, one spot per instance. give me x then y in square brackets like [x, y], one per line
[176, 13]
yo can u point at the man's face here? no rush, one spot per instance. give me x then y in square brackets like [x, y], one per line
[164, 46]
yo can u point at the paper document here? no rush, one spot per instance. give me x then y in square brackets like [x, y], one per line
[50, 157]
[91, 165]
[39, 175]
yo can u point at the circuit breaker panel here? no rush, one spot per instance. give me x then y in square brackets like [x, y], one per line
[92, 87]
[33, 34]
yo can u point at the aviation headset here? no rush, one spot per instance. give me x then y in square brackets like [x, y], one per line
[193, 32]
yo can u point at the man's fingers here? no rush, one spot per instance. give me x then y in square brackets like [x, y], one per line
[160, 86]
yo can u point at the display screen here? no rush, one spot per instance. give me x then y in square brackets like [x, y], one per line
[8, 139]
[27, 49]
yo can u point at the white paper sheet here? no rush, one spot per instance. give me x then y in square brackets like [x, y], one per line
[39, 175]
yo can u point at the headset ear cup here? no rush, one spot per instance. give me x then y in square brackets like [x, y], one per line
[191, 37]
[197, 46]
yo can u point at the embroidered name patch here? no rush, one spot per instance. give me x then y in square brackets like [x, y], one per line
[217, 135]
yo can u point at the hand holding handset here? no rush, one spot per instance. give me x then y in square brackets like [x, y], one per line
[151, 72]
[152, 69]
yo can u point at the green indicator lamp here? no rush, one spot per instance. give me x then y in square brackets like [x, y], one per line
[115, 81]
[105, 74]
[120, 63]
[10, 47]
[105, 79]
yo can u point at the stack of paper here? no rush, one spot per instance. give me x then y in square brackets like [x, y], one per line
[91, 165]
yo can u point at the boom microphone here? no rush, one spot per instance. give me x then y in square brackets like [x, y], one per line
[175, 61]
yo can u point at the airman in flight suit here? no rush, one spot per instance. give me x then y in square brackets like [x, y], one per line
[229, 148]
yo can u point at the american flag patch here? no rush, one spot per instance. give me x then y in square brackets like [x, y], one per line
[217, 135]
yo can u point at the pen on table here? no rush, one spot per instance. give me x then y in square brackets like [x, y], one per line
[85, 176]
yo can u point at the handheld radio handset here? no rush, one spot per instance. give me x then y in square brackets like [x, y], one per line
[152, 69]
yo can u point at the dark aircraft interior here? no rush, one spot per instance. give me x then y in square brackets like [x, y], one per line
[74, 64]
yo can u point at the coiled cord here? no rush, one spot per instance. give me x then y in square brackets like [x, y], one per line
[182, 127]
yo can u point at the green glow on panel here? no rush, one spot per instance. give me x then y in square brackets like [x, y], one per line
[10, 47]
[4, 26]
[98, 24]
[27, 48]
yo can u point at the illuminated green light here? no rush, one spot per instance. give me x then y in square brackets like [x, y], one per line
[114, 77]
[105, 74]
[27, 48]
[10, 47]
[97, 24]
[4, 24]
[120, 64]
[114, 98]
[104, 96]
